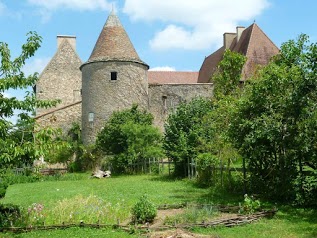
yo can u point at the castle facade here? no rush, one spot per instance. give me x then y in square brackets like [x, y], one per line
[114, 78]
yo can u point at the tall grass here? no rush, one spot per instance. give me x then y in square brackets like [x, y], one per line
[105, 200]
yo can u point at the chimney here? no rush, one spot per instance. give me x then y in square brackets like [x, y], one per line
[227, 39]
[240, 29]
[70, 39]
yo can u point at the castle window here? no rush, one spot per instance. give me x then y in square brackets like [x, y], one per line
[91, 116]
[76, 95]
[164, 98]
[114, 75]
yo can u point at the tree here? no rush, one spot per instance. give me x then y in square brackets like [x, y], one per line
[184, 132]
[216, 149]
[228, 76]
[274, 124]
[15, 140]
[130, 138]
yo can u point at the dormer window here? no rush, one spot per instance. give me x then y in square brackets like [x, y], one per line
[114, 76]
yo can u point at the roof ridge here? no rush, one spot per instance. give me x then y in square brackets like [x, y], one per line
[265, 35]
[251, 35]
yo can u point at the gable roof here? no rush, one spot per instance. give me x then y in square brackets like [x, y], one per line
[114, 43]
[60, 62]
[172, 77]
[253, 43]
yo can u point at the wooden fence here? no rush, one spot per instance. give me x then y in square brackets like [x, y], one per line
[227, 222]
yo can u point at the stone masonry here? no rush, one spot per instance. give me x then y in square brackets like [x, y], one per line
[114, 78]
[61, 79]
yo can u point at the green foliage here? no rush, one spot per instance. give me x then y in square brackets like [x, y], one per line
[143, 211]
[206, 163]
[184, 131]
[192, 215]
[9, 215]
[3, 189]
[274, 124]
[228, 77]
[215, 148]
[16, 141]
[250, 205]
[129, 137]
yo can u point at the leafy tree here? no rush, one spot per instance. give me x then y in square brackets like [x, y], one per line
[184, 132]
[129, 137]
[16, 143]
[274, 125]
[215, 147]
[228, 76]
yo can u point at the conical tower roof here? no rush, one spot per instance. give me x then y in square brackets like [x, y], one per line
[114, 44]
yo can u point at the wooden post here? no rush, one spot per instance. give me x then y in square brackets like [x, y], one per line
[244, 176]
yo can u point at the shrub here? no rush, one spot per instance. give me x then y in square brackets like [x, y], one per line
[3, 189]
[9, 214]
[143, 211]
[250, 205]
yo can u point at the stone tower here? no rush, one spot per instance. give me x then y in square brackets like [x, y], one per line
[61, 79]
[113, 78]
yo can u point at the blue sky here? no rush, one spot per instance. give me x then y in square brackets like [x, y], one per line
[176, 34]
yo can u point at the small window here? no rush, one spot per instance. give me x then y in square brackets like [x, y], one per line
[91, 117]
[76, 95]
[164, 98]
[114, 75]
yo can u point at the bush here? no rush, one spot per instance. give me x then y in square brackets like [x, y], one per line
[9, 214]
[143, 211]
[3, 189]
[250, 205]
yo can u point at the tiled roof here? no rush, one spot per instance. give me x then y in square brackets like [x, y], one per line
[172, 77]
[209, 65]
[253, 43]
[114, 43]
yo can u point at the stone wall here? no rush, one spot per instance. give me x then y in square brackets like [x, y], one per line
[62, 117]
[61, 79]
[102, 96]
[164, 98]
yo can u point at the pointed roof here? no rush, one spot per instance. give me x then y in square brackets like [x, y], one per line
[253, 43]
[65, 58]
[114, 44]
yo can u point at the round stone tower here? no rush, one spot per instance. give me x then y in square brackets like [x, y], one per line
[113, 78]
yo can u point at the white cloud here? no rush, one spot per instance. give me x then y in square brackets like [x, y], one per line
[6, 12]
[82, 5]
[193, 24]
[35, 65]
[163, 68]
[47, 7]
[2, 8]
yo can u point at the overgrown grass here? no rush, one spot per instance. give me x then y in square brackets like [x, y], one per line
[73, 233]
[105, 200]
[110, 199]
[287, 223]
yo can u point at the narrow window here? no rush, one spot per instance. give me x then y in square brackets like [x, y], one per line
[164, 98]
[91, 117]
[76, 95]
[114, 75]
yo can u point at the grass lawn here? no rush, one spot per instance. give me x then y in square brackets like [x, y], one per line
[108, 200]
